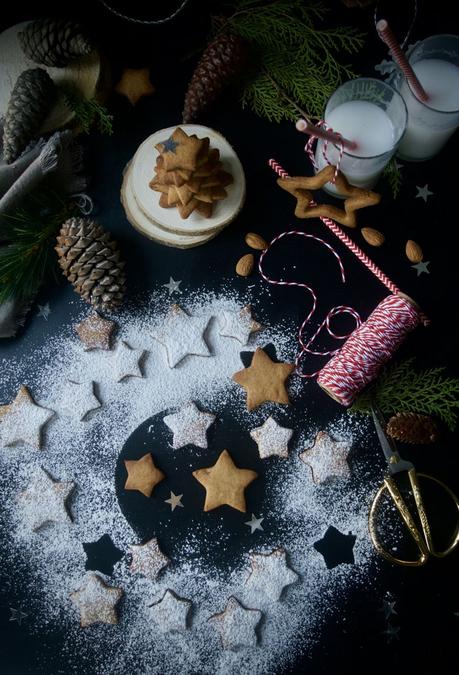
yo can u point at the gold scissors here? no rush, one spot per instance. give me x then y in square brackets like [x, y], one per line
[422, 537]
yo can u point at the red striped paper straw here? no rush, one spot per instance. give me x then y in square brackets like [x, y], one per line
[387, 36]
[325, 134]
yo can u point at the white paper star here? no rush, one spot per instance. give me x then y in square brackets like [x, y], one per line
[239, 325]
[44, 500]
[170, 614]
[174, 501]
[237, 625]
[421, 267]
[96, 601]
[386, 67]
[173, 286]
[270, 574]
[423, 192]
[272, 439]
[254, 524]
[22, 421]
[189, 425]
[126, 361]
[327, 458]
[44, 311]
[17, 615]
[182, 335]
[148, 559]
[79, 399]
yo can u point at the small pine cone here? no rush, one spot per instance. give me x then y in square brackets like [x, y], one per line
[221, 62]
[91, 261]
[32, 97]
[54, 42]
[412, 428]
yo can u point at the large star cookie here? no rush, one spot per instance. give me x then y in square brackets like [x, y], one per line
[327, 458]
[270, 574]
[225, 483]
[142, 474]
[264, 380]
[79, 399]
[272, 439]
[189, 425]
[236, 625]
[181, 335]
[96, 601]
[148, 559]
[44, 500]
[22, 421]
[126, 361]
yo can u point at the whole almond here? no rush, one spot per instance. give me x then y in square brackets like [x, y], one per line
[244, 265]
[413, 251]
[372, 236]
[255, 241]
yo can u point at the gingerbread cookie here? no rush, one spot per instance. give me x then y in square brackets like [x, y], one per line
[264, 380]
[237, 625]
[327, 458]
[225, 483]
[148, 559]
[96, 601]
[22, 421]
[95, 332]
[142, 475]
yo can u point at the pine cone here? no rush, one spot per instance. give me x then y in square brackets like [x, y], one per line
[221, 62]
[54, 42]
[90, 259]
[31, 99]
[412, 428]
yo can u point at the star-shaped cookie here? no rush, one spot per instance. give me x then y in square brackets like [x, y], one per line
[126, 361]
[148, 559]
[270, 574]
[22, 421]
[135, 84]
[239, 325]
[355, 198]
[95, 332]
[79, 399]
[264, 380]
[180, 151]
[189, 425]
[96, 601]
[182, 335]
[327, 458]
[170, 614]
[44, 500]
[225, 483]
[236, 625]
[143, 475]
[272, 439]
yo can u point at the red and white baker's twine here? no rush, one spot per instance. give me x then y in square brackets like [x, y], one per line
[309, 149]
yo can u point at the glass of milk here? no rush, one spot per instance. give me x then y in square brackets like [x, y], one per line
[371, 113]
[436, 64]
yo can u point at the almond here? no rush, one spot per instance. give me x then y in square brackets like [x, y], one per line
[372, 236]
[255, 241]
[244, 265]
[413, 251]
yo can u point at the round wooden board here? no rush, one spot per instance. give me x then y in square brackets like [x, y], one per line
[224, 211]
[83, 74]
[150, 229]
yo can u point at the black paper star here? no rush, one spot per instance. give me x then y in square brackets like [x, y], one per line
[336, 547]
[169, 145]
[17, 615]
[102, 555]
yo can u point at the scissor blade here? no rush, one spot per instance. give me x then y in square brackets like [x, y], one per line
[395, 462]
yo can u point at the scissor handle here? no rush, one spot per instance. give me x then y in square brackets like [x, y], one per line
[423, 541]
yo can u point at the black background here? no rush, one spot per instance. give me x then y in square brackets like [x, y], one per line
[427, 598]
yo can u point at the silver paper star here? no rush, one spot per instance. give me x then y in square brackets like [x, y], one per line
[189, 425]
[391, 633]
[22, 421]
[126, 361]
[386, 67]
[421, 267]
[270, 574]
[388, 608]
[44, 311]
[174, 501]
[327, 458]
[272, 439]
[44, 500]
[170, 614]
[79, 399]
[423, 192]
[182, 335]
[173, 286]
[254, 524]
[239, 325]
[148, 559]
[17, 615]
[96, 601]
[236, 625]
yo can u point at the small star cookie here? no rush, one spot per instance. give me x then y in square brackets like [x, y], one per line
[22, 421]
[182, 335]
[143, 475]
[44, 500]
[135, 84]
[170, 614]
[237, 625]
[126, 361]
[189, 425]
[327, 458]
[148, 559]
[180, 151]
[272, 439]
[270, 574]
[264, 380]
[96, 601]
[239, 325]
[95, 332]
[79, 399]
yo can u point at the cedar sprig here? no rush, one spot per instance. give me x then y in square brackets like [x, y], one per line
[88, 111]
[401, 388]
[393, 176]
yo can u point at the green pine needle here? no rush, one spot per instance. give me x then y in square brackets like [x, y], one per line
[88, 112]
[400, 388]
[393, 176]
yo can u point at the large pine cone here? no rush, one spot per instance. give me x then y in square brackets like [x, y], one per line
[91, 261]
[54, 42]
[32, 97]
[221, 62]
[411, 427]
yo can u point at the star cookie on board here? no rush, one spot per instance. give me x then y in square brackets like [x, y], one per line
[22, 421]
[237, 625]
[147, 559]
[44, 500]
[327, 458]
[79, 399]
[189, 426]
[264, 380]
[126, 361]
[270, 574]
[96, 601]
[95, 332]
[143, 475]
[182, 335]
[272, 439]
[225, 483]
[135, 84]
[170, 614]
[355, 198]
[239, 325]
[180, 151]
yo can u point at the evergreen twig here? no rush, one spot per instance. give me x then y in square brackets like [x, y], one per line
[393, 176]
[88, 112]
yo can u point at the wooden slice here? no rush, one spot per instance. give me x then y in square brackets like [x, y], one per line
[225, 211]
[83, 74]
[149, 228]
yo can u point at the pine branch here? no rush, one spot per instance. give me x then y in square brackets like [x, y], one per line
[402, 389]
[88, 112]
[393, 176]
